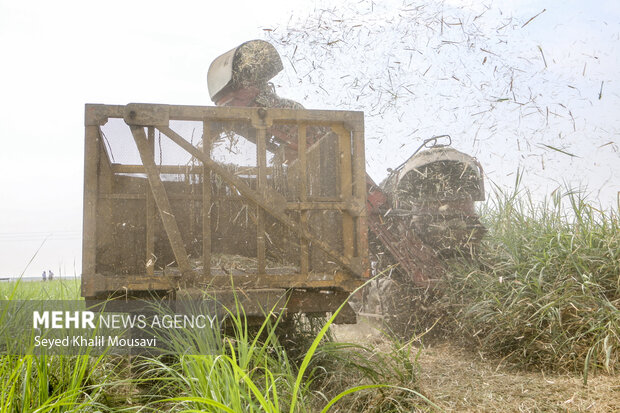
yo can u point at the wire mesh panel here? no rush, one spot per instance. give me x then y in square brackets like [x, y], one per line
[190, 194]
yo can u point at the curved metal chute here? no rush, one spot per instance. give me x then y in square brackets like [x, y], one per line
[252, 63]
[440, 173]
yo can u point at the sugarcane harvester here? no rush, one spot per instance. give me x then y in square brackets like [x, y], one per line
[293, 228]
[424, 210]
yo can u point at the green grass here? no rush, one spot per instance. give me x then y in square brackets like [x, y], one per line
[249, 371]
[545, 289]
[50, 383]
[245, 370]
[58, 289]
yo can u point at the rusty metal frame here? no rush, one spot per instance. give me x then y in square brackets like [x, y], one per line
[352, 199]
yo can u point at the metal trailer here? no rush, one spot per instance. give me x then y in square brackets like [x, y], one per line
[162, 206]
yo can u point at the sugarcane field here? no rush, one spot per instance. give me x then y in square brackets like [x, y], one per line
[344, 206]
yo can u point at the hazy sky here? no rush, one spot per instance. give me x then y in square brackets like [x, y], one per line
[515, 83]
[57, 56]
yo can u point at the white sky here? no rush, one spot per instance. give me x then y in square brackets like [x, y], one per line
[57, 56]
[485, 83]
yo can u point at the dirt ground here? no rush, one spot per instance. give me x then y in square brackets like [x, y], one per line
[459, 380]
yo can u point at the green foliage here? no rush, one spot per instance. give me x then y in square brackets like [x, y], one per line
[545, 290]
[65, 289]
[249, 371]
[235, 367]
[51, 384]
